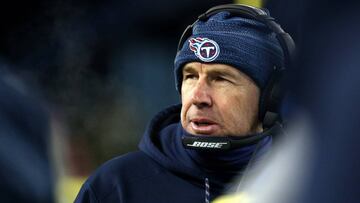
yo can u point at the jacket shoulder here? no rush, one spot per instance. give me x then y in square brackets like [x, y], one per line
[123, 170]
[129, 166]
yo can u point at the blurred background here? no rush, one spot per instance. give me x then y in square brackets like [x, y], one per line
[80, 80]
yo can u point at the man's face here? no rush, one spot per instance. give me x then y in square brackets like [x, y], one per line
[219, 100]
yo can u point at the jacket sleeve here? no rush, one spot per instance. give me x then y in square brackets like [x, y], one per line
[86, 195]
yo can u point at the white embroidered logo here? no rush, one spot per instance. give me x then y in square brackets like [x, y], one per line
[205, 49]
[207, 144]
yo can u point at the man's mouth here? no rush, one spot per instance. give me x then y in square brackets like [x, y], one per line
[205, 123]
[204, 126]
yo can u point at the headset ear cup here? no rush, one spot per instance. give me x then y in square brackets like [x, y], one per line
[270, 99]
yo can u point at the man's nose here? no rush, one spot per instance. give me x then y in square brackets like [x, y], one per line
[201, 95]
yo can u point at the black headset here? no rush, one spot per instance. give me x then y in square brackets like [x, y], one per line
[273, 91]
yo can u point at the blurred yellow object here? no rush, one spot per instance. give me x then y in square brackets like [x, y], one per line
[68, 187]
[255, 3]
[233, 198]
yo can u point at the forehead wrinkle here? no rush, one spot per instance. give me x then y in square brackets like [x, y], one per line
[213, 69]
[223, 71]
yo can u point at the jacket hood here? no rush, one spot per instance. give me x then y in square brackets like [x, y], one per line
[162, 142]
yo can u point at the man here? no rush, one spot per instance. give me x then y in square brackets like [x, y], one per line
[191, 152]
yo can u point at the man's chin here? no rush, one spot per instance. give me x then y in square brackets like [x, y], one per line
[205, 134]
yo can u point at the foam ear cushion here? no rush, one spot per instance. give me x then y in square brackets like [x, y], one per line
[272, 94]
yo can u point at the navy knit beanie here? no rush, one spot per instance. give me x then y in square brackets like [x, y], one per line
[243, 43]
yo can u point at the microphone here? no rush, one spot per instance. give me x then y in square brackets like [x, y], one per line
[217, 143]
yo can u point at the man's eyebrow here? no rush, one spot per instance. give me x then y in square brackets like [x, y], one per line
[223, 73]
[189, 69]
[220, 72]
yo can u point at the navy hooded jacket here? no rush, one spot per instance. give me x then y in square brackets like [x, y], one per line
[163, 171]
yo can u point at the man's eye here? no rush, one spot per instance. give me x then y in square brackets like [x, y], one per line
[220, 79]
[189, 76]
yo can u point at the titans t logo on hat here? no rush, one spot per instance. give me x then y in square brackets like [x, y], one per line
[205, 49]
